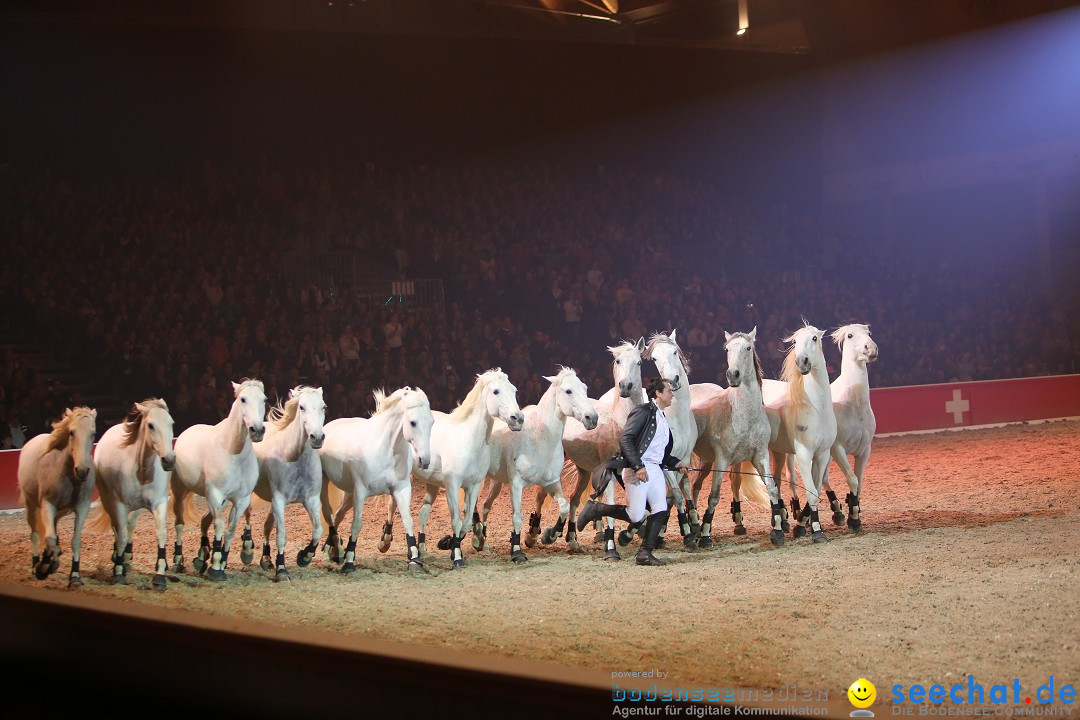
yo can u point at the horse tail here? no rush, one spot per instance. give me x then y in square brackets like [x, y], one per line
[569, 472]
[334, 496]
[98, 521]
[187, 507]
[753, 485]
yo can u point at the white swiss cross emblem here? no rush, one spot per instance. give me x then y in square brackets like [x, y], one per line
[957, 406]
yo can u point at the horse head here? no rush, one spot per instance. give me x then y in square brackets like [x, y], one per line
[627, 366]
[572, 398]
[75, 434]
[500, 399]
[416, 422]
[252, 401]
[670, 361]
[855, 343]
[157, 429]
[311, 412]
[806, 352]
[740, 356]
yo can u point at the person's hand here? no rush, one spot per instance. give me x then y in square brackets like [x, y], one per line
[682, 468]
[642, 475]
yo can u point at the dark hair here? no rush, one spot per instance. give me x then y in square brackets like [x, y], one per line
[654, 387]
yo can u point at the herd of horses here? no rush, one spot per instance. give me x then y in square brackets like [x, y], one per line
[746, 430]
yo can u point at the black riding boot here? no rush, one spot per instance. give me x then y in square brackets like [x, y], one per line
[653, 525]
[594, 510]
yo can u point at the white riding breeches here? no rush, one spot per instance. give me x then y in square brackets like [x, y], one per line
[654, 492]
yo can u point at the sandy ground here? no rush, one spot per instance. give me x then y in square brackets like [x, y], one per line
[967, 564]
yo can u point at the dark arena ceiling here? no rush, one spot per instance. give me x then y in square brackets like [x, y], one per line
[826, 29]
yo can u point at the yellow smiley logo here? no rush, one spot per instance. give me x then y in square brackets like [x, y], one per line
[862, 693]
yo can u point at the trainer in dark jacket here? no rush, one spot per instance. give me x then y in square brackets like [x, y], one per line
[645, 448]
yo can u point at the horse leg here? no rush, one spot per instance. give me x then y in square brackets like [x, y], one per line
[736, 504]
[705, 469]
[425, 511]
[819, 468]
[216, 571]
[534, 519]
[553, 533]
[706, 540]
[179, 500]
[235, 513]
[403, 500]
[81, 510]
[118, 514]
[129, 552]
[456, 524]
[387, 536]
[332, 539]
[516, 488]
[804, 459]
[247, 543]
[33, 515]
[266, 562]
[693, 523]
[855, 484]
[679, 500]
[481, 514]
[306, 555]
[50, 558]
[839, 455]
[336, 551]
[277, 504]
[359, 495]
[161, 528]
[202, 558]
[761, 464]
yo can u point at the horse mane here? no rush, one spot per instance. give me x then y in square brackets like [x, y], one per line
[658, 338]
[247, 382]
[623, 347]
[58, 438]
[797, 397]
[563, 372]
[758, 370]
[384, 402]
[840, 333]
[134, 420]
[462, 411]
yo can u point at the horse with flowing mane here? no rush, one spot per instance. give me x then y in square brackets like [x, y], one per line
[733, 428]
[460, 453]
[134, 463]
[586, 448]
[375, 456]
[290, 472]
[803, 421]
[534, 455]
[219, 463]
[56, 477]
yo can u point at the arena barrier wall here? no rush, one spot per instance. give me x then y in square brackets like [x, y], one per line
[898, 409]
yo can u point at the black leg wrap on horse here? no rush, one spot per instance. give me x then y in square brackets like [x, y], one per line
[456, 557]
[74, 567]
[413, 551]
[684, 523]
[795, 509]
[854, 512]
[534, 523]
[516, 553]
[736, 512]
[34, 560]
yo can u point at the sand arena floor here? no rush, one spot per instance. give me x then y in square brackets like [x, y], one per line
[967, 564]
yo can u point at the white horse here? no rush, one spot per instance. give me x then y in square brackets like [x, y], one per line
[375, 456]
[674, 367]
[534, 456]
[803, 421]
[219, 463]
[56, 477]
[733, 428]
[460, 453]
[586, 449]
[134, 462]
[855, 422]
[290, 472]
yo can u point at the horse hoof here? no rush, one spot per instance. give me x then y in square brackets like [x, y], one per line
[625, 538]
[459, 564]
[118, 580]
[706, 542]
[612, 555]
[348, 568]
[159, 582]
[199, 565]
[838, 518]
[785, 526]
[41, 570]
[478, 542]
[530, 540]
[74, 582]
[266, 563]
[690, 543]
[855, 524]
[303, 559]
[215, 575]
[695, 529]
[819, 537]
[598, 538]
[576, 549]
[178, 568]
[519, 557]
[550, 536]
[415, 566]
[333, 555]
[740, 530]
[383, 545]
[800, 531]
[776, 537]
[282, 576]
[444, 543]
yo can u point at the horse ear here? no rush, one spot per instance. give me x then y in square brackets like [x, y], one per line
[293, 393]
[93, 413]
[67, 412]
[550, 378]
[727, 336]
[235, 387]
[141, 407]
[641, 344]
[672, 335]
[753, 334]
